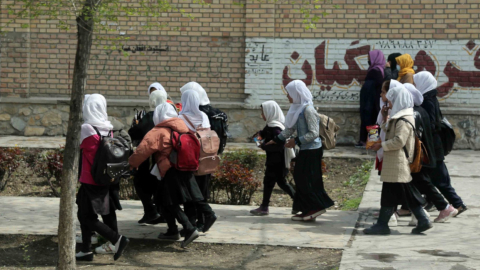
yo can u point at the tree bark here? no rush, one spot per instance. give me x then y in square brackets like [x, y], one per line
[66, 225]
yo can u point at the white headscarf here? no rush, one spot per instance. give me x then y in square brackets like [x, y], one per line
[273, 113]
[95, 114]
[157, 86]
[163, 112]
[202, 94]
[416, 95]
[190, 109]
[301, 96]
[156, 98]
[425, 82]
[400, 98]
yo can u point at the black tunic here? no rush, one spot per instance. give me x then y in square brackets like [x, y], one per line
[432, 107]
[370, 101]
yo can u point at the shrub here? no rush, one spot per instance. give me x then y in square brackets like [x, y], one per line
[246, 157]
[237, 180]
[49, 164]
[10, 159]
[127, 189]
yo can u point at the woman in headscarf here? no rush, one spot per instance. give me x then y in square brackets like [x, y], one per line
[158, 87]
[391, 72]
[398, 150]
[145, 183]
[94, 199]
[370, 94]
[176, 187]
[275, 165]
[310, 199]
[405, 68]
[197, 120]
[427, 85]
[421, 180]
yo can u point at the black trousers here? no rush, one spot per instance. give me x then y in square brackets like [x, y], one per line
[89, 223]
[422, 182]
[441, 179]
[146, 186]
[199, 210]
[275, 175]
[172, 212]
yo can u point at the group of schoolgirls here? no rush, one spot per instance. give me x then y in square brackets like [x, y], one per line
[154, 176]
[300, 128]
[410, 111]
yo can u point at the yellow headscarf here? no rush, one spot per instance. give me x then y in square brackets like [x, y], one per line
[406, 65]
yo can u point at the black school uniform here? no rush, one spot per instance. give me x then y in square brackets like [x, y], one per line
[275, 171]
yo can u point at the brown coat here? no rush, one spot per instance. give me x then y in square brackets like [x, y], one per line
[157, 141]
[396, 167]
[407, 78]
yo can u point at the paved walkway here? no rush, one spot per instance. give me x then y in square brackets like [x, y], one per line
[30, 215]
[454, 245]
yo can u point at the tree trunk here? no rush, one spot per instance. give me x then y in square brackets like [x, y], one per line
[66, 225]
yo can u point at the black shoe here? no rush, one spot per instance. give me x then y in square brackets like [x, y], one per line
[424, 222]
[157, 221]
[209, 222]
[429, 207]
[149, 217]
[120, 247]
[462, 208]
[189, 237]
[200, 227]
[169, 235]
[86, 257]
[377, 229]
[381, 227]
[182, 232]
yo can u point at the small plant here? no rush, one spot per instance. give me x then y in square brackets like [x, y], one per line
[246, 157]
[361, 176]
[237, 180]
[351, 204]
[49, 164]
[10, 160]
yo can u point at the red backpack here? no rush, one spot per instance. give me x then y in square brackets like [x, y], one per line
[185, 151]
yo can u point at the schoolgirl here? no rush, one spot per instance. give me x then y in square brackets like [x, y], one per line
[396, 178]
[94, 199]
[310, 199]
[176, 187]
[275, 166]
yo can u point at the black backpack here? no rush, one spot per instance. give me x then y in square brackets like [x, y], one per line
[111, 160]
[447, 134]
[219, 123]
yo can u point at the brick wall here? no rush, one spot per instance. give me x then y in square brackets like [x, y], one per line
[244, 54]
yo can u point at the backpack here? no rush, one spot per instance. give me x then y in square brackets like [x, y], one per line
[219, 123]
[447, 135]
[185, 151]
[328, 131]
[111, 159]
[420, 154]
[208, 161]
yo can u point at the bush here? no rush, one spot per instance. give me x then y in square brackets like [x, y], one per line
[127, 189]
[246, 157]
[49, 164]
[236, 180]
[10, 160]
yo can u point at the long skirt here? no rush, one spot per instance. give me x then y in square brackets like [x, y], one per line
[311, 194]
[394, 194]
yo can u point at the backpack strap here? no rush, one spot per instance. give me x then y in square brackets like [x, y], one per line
[414, 133]
[188, 120]
[110, 134]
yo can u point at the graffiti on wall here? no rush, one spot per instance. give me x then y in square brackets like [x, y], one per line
[335, 69]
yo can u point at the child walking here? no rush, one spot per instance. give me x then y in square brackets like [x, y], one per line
[275, 166]
[94, 199]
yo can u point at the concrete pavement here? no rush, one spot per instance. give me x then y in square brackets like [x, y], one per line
[454, 245]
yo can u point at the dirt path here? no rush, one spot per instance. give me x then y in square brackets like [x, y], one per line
[40, 252]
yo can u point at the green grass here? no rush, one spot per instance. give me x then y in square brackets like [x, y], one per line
[361, 176]
[351, 204]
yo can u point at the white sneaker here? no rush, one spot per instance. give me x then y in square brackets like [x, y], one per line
[107, 248]
[413, 222]
[94, 239]
[393, 220]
